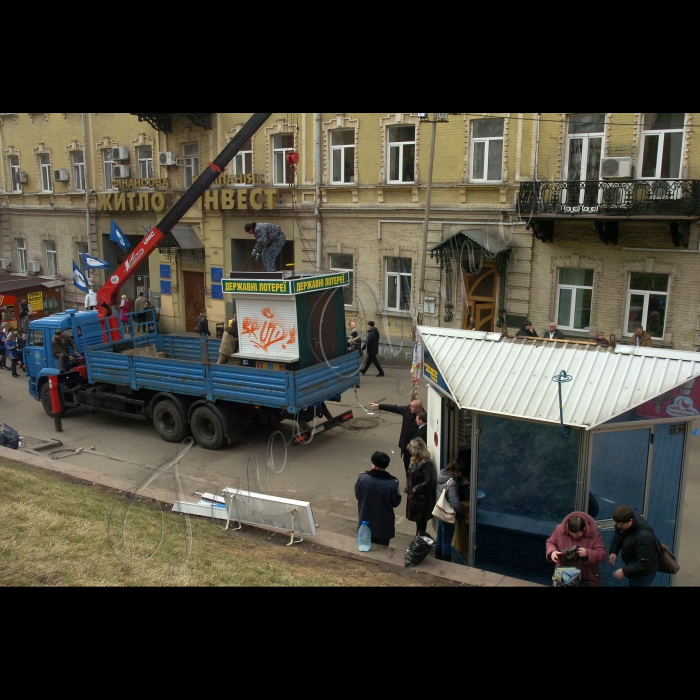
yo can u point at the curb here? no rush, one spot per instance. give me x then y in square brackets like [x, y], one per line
[467, 575]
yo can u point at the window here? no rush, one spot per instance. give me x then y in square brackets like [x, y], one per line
[342, 262]
[45, 168]
[79, 170]
[402, 153]
[343, 155]
[14, 173]
[21, 255]
[145, 156]
[574, 293]
[35, 338]
[191, 154]
[282, 144]
[81, 248]
[398, 284]
[584, 146]
[487, 150]
[662, 144]
[109, 167]
[647, 298]
[51, 306]
[51, 260]
[243, 162]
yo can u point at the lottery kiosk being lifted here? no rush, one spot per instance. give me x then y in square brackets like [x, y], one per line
[288, 321]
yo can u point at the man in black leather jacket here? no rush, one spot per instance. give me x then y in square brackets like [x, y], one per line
[637, 543]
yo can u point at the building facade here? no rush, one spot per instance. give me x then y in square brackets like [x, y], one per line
[517, 227]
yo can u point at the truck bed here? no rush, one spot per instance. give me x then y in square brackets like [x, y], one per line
[189, 367]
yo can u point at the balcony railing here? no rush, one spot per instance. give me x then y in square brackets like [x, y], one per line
[662, 198]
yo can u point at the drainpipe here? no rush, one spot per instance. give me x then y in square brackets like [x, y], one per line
[86, 150]
[317, 208]
[537, 146]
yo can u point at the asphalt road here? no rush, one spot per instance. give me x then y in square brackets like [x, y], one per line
[322, 472]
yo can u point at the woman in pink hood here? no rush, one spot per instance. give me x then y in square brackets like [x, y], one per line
[579, 529]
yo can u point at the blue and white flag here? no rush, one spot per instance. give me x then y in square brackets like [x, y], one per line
[117, 235]
[90, 263]
[79, 279]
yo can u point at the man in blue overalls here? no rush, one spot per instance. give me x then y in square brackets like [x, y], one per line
[269, 241]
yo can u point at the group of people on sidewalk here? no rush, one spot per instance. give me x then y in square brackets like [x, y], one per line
[576, 541]
[377, 491]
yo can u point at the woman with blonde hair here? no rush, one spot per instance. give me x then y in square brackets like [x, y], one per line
[421, 483]
[124, 309]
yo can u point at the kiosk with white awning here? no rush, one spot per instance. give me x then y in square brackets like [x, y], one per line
[619, 437]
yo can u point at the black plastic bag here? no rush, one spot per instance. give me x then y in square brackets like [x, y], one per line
[418, 549]
[8, 437]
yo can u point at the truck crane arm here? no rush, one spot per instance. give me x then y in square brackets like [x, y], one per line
[108, 294]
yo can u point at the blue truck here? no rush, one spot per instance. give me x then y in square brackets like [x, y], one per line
[174, 381]
[293, 349]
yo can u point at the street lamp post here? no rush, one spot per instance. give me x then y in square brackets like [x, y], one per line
[425, 117]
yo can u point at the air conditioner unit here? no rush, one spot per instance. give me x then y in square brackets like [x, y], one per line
[442, 116]
[5, 263]
[121, 171]
[22, 177]
[166, 158]
[120, 153]
[616, 167]
[60, 175]
[33, 266]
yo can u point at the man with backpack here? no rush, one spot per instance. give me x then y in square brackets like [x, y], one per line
[636, 542]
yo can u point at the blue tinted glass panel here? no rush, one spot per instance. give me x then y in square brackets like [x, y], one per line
[618, 473]
[527, 472]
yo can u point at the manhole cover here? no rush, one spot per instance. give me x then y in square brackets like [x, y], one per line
[361, 423]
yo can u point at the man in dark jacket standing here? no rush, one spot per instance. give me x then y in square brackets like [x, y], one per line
[202, 324]
[372, 347]
[377, 494]
[637, 543]
[409, 427]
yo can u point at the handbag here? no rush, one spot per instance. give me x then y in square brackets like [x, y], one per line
[668, 564]
[569, 556]
[443, 510]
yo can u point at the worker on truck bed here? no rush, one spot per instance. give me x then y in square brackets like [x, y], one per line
[269, 241]
[61, 345]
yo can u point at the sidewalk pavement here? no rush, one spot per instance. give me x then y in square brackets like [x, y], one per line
[393, 555]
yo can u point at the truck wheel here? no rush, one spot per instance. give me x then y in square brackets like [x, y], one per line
[207, 429]
[168, 421]
[46, 401]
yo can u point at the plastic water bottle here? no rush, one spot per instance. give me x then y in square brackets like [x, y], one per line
[364, 537]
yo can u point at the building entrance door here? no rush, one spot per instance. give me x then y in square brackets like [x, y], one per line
[481, 298]
[193, 297]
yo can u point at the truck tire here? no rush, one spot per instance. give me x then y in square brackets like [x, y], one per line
[46, 401]
[168, 421]
[207, 428]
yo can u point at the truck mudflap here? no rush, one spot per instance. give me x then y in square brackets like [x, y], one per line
[307, 431]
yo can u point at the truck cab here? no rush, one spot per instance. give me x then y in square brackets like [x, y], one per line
[82, 326]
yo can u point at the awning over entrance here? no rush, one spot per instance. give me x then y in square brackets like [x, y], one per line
[186, 238]
[487, 240]
[9, 284]
[510, 377]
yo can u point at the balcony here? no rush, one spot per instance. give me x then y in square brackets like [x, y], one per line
[609, 201]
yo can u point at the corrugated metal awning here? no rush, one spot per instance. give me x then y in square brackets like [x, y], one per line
[511, 377]
[186, 238]
[491, 241]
